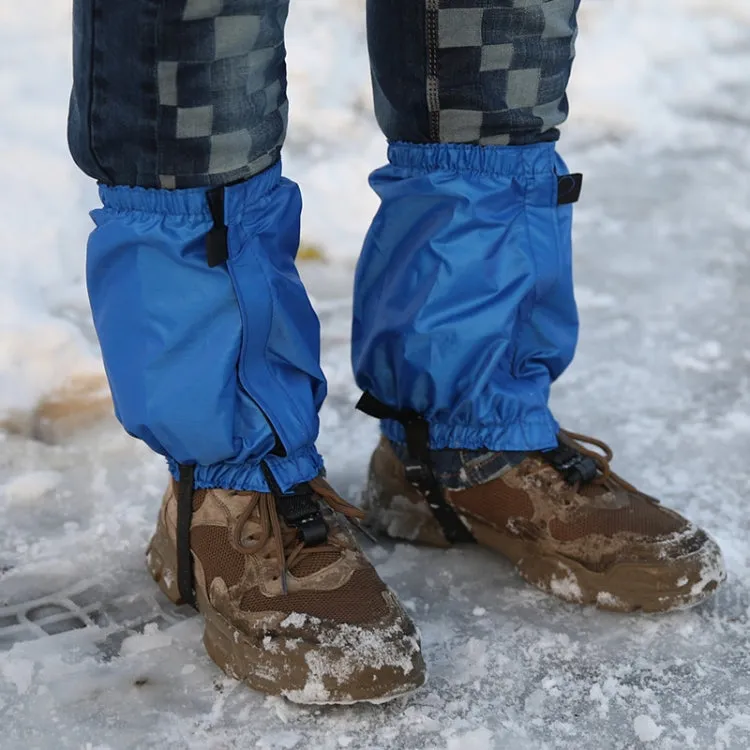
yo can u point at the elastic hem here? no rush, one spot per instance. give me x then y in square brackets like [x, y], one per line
[529, 435]
[537, 158]
[191, 201]
[289, 471]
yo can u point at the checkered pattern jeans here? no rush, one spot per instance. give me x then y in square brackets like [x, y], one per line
[191, 93]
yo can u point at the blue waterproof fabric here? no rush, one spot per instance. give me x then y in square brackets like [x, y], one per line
[205, 364]
[464, 308]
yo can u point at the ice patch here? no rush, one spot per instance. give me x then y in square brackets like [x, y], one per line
[19, 672]
[738, 421]
[284, 740]
[471, 661]
[687, 361]
[29, 487]
[607, 599]
[566, 587]
[596, 695]
[710, 350]
[476, 739]
[646, 729]
[270, 644]
[149, 640]
[294, 620]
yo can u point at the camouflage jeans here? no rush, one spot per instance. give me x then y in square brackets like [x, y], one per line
[190, 93]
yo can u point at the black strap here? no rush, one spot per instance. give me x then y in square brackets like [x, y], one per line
[418, 466]
[185, 489]
[217, 247]
[574, 466]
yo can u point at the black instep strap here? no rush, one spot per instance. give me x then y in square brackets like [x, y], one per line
[418, 467]
[185, 489]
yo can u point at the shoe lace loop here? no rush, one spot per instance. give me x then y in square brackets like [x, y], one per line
[288, 545]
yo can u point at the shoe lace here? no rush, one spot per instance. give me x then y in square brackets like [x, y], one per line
[601, 458]
[288, 546]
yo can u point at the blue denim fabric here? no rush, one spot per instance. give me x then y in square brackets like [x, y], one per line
[177, 93]
[486, 72]
[192, 93]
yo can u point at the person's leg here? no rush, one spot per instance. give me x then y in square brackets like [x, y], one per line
[464, 312]
[211, 345]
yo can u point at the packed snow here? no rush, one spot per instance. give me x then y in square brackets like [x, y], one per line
[92, 656]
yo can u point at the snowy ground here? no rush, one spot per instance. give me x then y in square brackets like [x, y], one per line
[661, 102]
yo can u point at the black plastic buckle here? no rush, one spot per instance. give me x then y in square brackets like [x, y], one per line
[300, 511]
[574, 466]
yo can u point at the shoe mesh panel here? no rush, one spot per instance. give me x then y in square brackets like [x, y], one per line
[495, 501]
[639, 517]
[357, 602]
[217, 556]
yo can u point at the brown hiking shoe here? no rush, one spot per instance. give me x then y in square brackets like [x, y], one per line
[570, 525]
[312, 622]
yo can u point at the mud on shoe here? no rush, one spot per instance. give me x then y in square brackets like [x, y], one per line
[291, 605]
[571, 526]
